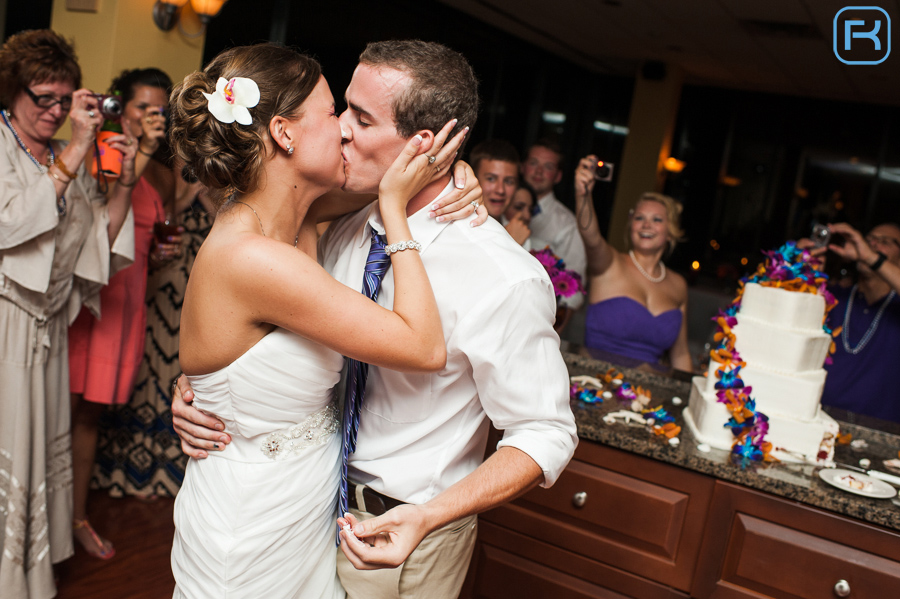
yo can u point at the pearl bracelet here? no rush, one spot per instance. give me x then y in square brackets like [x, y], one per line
[403, 245]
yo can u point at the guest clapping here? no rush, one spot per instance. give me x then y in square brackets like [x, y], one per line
[56, 230]
[637, 307]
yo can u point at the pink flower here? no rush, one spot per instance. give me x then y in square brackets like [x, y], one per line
[545, 257]
[566, 283]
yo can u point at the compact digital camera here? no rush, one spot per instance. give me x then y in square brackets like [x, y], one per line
[111, 107]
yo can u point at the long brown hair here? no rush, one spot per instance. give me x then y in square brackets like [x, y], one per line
[229, 157]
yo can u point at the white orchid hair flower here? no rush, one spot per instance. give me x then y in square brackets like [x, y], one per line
[232, 99]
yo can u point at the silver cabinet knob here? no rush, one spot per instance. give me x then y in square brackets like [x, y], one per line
[580, 498]
[842, 588]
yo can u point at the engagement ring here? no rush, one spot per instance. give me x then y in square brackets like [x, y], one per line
[91, 113]
[431, 159]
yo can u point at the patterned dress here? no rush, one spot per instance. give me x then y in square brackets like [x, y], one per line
[49, 266]
[138, 452]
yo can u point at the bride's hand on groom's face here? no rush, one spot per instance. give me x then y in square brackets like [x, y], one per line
[462, 201]
[423, 160]
[385, 541]
[199, 432]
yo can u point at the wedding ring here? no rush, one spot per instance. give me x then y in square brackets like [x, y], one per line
[91, 113]
[475, 204]
[431, 159]
[128, 141]
[437, 169]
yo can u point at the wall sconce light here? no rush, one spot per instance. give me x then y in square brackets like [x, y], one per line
[166, 12]
[673, 165]
[207, 9]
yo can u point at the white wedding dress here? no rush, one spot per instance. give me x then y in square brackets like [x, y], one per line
[257, 520]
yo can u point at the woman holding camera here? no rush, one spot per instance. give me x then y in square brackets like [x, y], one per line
[637, 309]
[105, 354]
[59, 241]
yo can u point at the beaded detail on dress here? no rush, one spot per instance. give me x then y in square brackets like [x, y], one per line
[316, 429]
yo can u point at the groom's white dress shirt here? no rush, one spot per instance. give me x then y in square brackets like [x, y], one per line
[421, 433]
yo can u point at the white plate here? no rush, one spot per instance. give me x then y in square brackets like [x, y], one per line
[878, 490]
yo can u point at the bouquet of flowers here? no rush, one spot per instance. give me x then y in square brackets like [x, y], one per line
[566, 283]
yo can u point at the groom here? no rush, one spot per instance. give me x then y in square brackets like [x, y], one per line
[417, 477]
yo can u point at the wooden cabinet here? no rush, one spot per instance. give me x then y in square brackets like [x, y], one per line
[757, 545]
[510, 565]
[635, 522]
[619, 525]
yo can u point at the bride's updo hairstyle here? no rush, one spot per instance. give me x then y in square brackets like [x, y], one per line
[229, 157]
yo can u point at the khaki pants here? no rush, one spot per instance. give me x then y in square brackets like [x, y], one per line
[436, 569]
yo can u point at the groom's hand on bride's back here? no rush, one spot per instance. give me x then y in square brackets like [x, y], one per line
[199, 432]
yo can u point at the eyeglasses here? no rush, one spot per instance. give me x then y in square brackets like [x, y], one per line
[49, 101]
[881, 240]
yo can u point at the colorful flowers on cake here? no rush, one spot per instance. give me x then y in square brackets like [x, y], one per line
[566, 283]
[789, 268]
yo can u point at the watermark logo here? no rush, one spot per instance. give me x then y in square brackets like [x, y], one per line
[862, 35]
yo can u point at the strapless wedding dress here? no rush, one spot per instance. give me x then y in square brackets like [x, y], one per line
[258, 519]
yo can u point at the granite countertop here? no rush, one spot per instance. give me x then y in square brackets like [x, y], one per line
[799, 482]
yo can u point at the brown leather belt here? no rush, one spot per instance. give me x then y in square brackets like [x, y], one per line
[376, 503]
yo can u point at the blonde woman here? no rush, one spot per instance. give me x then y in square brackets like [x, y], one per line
[637, 307]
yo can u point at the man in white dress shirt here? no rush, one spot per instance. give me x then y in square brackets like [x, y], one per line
[417, 473]
[552, 221]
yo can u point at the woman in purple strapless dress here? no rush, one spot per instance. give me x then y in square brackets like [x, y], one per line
[636, 307]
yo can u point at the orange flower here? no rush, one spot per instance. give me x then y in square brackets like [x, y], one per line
[766, 449]
[670, 429]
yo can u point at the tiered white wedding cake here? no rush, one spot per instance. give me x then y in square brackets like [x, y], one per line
[766, 378]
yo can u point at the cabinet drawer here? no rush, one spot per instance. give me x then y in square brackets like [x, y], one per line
[761, 545]
[508, 565]
[625, 511]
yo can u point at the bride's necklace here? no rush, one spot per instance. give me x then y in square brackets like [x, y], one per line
[662, 268]
[845, 334]
[61, 202]
[296, 239]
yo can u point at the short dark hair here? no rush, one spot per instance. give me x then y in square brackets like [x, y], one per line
[494, 149]
[442, 85]
[36, 56]
[125, 83]
[551, 144]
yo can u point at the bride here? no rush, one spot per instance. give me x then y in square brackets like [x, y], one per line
[258, 128]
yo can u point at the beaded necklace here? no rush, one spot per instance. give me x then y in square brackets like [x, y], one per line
[662, 268]
[845, 334]
[61, 202]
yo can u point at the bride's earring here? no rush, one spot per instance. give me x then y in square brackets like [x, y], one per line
[290, 150]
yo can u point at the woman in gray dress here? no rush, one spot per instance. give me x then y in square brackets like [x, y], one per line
[60, 239]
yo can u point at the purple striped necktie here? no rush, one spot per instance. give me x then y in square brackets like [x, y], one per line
[377, 264]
